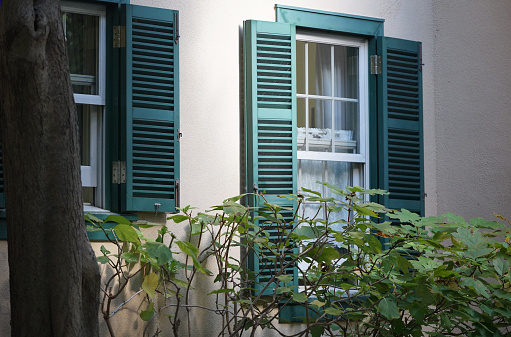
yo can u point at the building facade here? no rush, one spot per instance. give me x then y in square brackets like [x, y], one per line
[171, 114]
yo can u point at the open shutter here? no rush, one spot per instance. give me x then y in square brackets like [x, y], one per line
[400, 142]
[270, 125]
[151, 98]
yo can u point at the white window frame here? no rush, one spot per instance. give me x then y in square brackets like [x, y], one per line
[92, 174]
[360, 175]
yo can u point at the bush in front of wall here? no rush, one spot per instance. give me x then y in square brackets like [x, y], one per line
[364, 270]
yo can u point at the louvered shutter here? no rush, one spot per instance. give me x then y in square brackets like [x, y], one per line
[400, 143]
[151, 98]
[270, 125]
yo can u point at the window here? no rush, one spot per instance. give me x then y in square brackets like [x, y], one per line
[85, 32]
[328, 97]
[124, 64]
[332, 112]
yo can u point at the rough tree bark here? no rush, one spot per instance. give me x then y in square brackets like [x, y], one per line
[53, 274]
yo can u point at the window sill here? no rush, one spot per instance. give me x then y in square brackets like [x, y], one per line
[93, 236]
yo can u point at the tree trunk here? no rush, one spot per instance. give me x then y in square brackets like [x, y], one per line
[53, 274]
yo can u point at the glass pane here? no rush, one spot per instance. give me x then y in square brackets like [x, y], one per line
[319, 136]
[84, 126]
[338, 173]
[300, 102]
[311, 171]
[82, 38]
[88, 195]
[320, 69]
[346, 72]
[300, 67]
[346, 127]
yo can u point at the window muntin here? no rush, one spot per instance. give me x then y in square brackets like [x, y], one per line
[85, 31]
[332, 111]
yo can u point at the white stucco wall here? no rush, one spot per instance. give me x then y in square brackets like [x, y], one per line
[467, 86]
[472, 82]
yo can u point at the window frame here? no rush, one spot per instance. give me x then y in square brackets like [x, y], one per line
[92, 175]
[361, 159]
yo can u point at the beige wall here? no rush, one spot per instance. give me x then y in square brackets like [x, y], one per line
[472, 83]
[467, 86]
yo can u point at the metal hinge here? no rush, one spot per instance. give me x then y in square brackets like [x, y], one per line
[420, 57]
[119, 172]
[176, 27]
[119, 36]
[376, 64]
[177, 191]
[179, 135]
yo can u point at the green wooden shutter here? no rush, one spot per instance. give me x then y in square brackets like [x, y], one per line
[270, 126]
[151, 112]
[400, 141]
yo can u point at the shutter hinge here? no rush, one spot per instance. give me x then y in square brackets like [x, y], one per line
[177, 192]
[176, 27]
[119, 172]
[119, 36]
[375, 64]
[179, 135]
[420, 57]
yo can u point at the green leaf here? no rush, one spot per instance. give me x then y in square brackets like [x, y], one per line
[334, 311]
[388, 307]
[285, 278]
[317, 331]
[482, 223]
[91, 218]
[282, 290]
[158, 251]
[118, 219]
[445, 321]
[300, 297]
[418, 312]
[404, 264]
[147, 314]
[104, 250]
[150, 284]
[189, 249]
[324, 254]
[130, 257]
[501, 266]
[102, 259]
[478, 286]
[317, 304]
[364, 211]
[178, 218]
[126, 233]
[374, 243]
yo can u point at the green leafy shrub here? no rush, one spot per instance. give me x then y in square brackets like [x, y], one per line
[364, 270]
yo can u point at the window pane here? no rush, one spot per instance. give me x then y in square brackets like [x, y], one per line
[302, 117]
[310, 172]
[320, 69]
[319, 134]
[346, 127]
[88, 195]
[84, 123]
[346, 72]
[300, 67]
[82, 37]
[338, 173]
